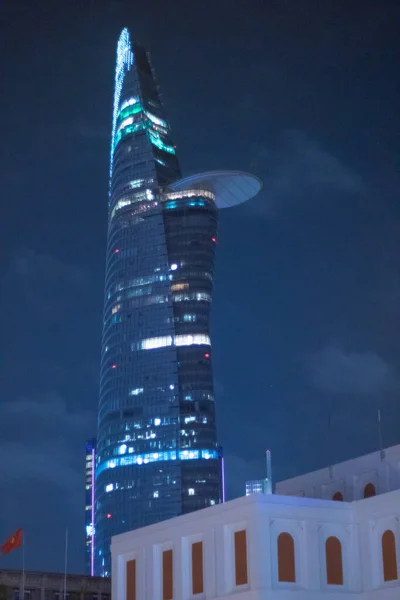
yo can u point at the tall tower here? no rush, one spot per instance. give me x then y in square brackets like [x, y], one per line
[157, 445]
[90, 467]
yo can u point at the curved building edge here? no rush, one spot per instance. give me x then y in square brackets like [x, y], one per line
[230, 187]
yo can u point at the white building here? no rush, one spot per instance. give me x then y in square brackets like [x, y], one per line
[265, 547]
[361, 477]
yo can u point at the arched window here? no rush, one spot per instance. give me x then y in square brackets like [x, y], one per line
[334, 563]
[338, 496]
[389, 556]
[369, 490]
[286, 562]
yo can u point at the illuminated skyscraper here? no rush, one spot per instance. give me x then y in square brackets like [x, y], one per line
[157, 444]
[89, 505]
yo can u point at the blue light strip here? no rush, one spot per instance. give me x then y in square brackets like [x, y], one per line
[144, 459]
[124, 63]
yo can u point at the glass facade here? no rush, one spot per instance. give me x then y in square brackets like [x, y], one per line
[157, 453]
[258, 486]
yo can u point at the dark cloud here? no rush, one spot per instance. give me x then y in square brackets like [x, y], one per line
[295, 168]
[41, 438]
[48, 284]
[335, 370]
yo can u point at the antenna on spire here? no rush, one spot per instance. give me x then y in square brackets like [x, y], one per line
[382, 452]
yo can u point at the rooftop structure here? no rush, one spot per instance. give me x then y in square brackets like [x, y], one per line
[50, 586]
[361, 477]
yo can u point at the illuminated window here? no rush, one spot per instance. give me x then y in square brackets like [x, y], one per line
[188, 296]
[197, 568]
[189, 318]
[129, 102]
[191, 491]
[175, 287]
[178, 340]
[109, 487]
[334, 565]
[156, 120]
[286, 561]
[389, 556]
[115, 309]
[136, 392]
[155, 494]
[240, 544]
[156, 342]
[129, 110]
[139, 459]
[157, 141]
[190, 340]
[189, 194]
[167, 575]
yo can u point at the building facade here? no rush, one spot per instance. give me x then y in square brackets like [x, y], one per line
[361, 477]
[258, 486]
[157, 452]
[266, 547]
[51, 586]
[90, 469]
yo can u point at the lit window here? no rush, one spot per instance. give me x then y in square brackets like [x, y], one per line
[129, 102]
[190, 340]
[191, 491]
[171, 387]
[179, 286]
[156, 342]
[109, 487]
[115, 309]
[139, 459]
[157, 141]
[136, 392]
[178, 340]
[157, 422]
[122, 449]
[155, 119]
[188, 296]
[212, 502]
[173, 267]
[155, 494]
[190, 194]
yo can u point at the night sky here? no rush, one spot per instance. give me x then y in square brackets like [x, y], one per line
[306, 315]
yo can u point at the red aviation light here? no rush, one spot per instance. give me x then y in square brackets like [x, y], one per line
[206, 355]
[214, 239]
[114, 366]
[108, 516]
[116, 250]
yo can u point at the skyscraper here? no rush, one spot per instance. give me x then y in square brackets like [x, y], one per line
[90, 467]
[157, 445]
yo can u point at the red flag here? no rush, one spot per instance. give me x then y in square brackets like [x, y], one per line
[15, 541]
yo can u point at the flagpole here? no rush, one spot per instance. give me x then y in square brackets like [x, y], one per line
[65, 569]
[23, 566]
